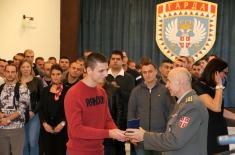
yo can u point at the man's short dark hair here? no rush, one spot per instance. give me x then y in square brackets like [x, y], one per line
[64, 57]
[39, 58]
[10, 61]
[93, 58]
[149, 63]
[20, 54]
[166, 61]
[130, 61]
[52, 58]
[196, 63]
[117, 52]
[204, 58]
[144, 60]
[3, 60]
[11, 64]
[72, 63]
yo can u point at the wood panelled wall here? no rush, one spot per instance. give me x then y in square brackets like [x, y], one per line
[69, 28]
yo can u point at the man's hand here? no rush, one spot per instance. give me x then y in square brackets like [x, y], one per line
[135, 135]
[117, 134]
[5, 121]
[2, 115]
[58, 128]
[48, 128]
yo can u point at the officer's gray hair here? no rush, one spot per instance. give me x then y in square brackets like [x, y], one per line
[183, 71]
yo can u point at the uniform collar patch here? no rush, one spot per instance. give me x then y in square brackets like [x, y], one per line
[189, 99]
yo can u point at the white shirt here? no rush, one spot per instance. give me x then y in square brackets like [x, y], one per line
[120, 73]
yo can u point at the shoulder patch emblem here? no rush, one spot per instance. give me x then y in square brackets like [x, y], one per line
[184, 121]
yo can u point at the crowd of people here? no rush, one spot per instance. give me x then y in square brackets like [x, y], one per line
[83, 106]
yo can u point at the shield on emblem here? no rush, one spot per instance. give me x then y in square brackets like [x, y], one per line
[186, 28]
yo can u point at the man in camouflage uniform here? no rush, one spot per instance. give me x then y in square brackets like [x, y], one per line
[186, 131]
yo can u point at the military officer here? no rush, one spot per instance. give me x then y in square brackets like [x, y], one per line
[186, 131]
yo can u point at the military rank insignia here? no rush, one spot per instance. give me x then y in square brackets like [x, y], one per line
[186, 28]
[184, 121]
[189, 99]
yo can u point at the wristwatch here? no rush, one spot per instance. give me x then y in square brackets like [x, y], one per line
[219, 87]
[63, 123]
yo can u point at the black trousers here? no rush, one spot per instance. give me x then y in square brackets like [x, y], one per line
[55, 144]
[114, 147]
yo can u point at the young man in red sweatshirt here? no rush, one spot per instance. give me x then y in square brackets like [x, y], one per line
[87, 113]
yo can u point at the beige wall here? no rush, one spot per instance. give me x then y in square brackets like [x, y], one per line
[42, 35]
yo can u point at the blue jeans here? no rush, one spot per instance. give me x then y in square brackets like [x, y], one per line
[32, 130]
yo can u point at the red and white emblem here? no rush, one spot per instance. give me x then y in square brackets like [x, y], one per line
[184, 121]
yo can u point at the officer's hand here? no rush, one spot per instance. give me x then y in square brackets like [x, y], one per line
[132, 141]
[135, 135]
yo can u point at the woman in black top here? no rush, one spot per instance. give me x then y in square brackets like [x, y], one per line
[52, 114]
[210, 90]
[32, 127]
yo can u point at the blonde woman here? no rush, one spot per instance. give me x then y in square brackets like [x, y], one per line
[32, 127]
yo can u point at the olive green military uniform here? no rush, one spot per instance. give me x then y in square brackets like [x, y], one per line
[186, 132]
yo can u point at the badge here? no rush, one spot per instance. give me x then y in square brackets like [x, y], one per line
[186, 28]
[184, 121]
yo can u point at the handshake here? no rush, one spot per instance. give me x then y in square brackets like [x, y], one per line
[133, 135]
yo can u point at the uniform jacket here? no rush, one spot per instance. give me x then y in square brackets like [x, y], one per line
[186, 132]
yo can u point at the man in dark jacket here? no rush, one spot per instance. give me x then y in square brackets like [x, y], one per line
[151, 103]
[119, 78]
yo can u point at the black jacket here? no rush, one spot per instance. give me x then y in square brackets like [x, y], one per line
[52, 111]
[114, 102]
[35, 87]
[126, 84]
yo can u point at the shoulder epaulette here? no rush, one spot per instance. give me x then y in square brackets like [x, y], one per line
[189, 99]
